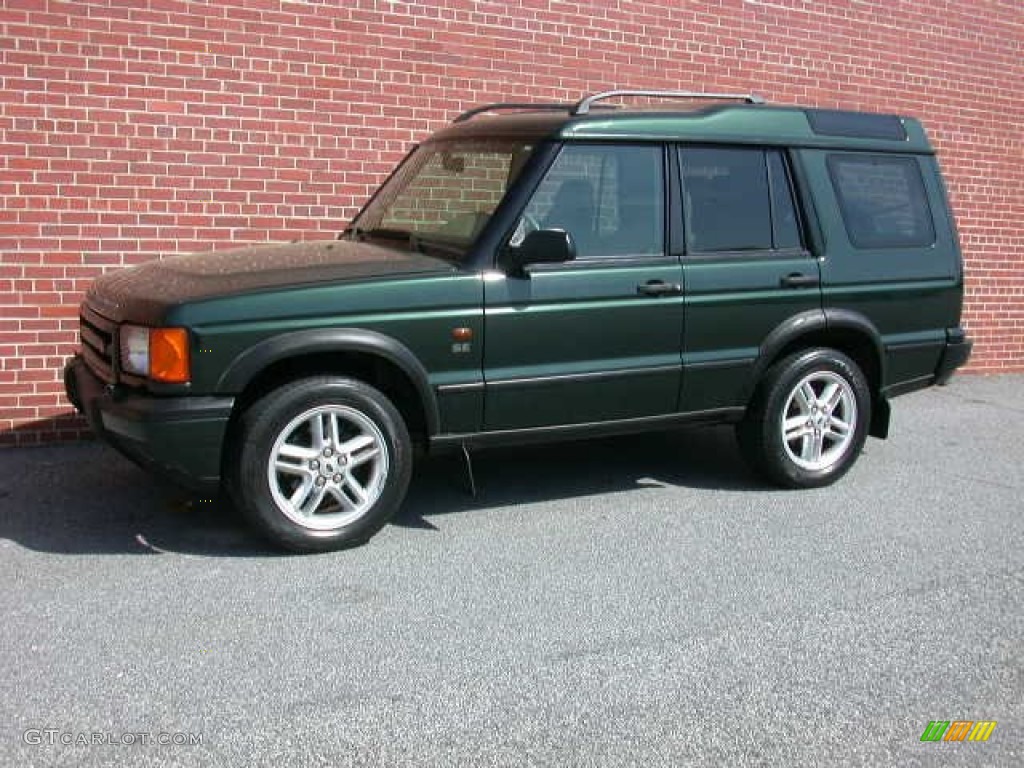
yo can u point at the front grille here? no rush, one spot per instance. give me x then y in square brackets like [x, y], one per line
[98, 340]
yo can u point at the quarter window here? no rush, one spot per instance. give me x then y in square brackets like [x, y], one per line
[882, 200]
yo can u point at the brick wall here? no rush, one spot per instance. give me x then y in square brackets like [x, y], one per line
[134, 128]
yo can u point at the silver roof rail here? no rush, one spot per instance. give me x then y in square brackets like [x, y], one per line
[546, 106]
[583, 106]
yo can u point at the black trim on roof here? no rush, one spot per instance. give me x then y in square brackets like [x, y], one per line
[857, 125]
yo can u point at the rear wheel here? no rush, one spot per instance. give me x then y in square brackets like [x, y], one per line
[808, 422]
[323, 463]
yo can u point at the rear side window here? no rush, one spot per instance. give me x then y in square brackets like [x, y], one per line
[737, 199]
[882, 200]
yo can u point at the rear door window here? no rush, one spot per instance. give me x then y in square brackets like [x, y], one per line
[737, 199]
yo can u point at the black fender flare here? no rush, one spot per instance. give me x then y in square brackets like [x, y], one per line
[244, 368]
[815, 321]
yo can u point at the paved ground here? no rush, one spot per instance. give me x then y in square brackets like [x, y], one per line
[626, 602]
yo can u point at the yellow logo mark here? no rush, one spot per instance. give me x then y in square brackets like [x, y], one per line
[982, 730]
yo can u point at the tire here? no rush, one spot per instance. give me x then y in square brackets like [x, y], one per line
[322, 463]
[808, 420]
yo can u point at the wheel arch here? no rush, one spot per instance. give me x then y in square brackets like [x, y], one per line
[846, 331]
[372, 357]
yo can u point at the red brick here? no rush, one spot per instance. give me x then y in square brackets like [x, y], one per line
[143, 128]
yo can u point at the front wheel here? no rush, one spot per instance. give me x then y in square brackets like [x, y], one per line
[808, 422]
[323, 463]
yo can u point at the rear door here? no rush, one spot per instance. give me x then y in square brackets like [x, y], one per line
[745, 270]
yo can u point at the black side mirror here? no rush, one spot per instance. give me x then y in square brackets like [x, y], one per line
[542, 246]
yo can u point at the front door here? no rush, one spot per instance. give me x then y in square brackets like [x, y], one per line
[597, 338]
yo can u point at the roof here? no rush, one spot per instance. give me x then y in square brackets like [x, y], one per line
[738, 124]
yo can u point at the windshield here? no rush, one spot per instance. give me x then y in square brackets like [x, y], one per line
[444, 194]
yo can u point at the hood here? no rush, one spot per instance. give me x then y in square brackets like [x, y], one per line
[142, 293]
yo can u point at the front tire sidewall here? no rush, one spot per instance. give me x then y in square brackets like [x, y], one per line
[263, 423]
[783, 379]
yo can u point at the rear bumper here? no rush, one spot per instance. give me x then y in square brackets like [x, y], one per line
[955, 354]
[178, 437]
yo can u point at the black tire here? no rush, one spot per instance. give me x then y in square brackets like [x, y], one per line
[816, 450]
[345, 495]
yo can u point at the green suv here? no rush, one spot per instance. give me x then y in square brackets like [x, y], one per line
[541, 272]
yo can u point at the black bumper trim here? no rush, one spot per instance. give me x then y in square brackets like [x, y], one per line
[956, 353]
[179, 437]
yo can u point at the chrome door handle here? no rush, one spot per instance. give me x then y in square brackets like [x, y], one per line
[659, 288]
[799, 280]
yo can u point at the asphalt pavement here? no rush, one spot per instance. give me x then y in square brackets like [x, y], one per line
[638, 601]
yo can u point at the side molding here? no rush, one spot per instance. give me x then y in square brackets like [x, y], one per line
[252, 361]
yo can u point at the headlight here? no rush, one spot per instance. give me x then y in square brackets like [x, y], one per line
[160, 354]
[135, 350]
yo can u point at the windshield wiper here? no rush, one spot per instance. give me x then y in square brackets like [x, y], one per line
[417, 241]
[386, 233]
[440, 244]
[414, 239]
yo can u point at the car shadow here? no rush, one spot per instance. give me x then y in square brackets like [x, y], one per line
[700, 458]
[84, 498]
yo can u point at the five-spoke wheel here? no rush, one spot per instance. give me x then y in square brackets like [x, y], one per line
[817, 420]
[323, 463]
[808, 420]
[328, 467]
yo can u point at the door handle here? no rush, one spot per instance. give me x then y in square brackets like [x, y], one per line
[659, 288]
[799, 280]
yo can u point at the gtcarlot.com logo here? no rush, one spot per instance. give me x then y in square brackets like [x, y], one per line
[51, 737]
[958, 730]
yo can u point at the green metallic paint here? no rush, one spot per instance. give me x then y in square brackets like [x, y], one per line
[418, 312]
[581, 318]
[733, 303]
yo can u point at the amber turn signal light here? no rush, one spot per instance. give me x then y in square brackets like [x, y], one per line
[168, 355]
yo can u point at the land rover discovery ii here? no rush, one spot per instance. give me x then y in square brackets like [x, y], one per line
[545, 271]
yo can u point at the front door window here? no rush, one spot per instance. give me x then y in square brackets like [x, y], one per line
[610, 199]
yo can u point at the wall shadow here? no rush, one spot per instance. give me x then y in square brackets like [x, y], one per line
[85, 498]
[60, 428]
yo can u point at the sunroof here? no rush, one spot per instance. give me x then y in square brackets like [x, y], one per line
[834, 122]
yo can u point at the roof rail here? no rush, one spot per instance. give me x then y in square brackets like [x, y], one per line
[548, 106]
[583, 106]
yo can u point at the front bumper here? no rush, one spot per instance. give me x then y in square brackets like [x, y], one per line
[178, 437]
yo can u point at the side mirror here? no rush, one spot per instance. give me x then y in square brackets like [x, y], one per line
[542, 246]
